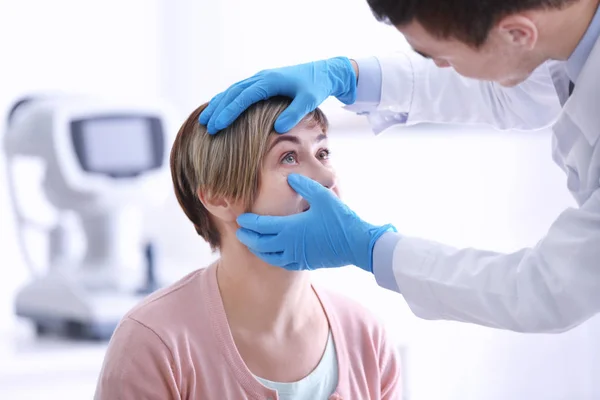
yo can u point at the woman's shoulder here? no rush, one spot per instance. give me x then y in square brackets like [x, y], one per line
[172, 307]
[145, 348]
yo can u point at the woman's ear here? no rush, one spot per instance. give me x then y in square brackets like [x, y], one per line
[220, 207]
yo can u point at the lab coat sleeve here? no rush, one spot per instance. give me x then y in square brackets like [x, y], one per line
[368, 87]
[407, 89]
[137, 365]
[551, 287]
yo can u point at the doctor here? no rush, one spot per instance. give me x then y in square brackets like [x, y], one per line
[511, 64]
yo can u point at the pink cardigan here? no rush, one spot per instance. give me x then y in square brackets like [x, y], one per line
[176, 344]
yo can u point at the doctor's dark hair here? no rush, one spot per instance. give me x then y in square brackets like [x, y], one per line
[228, 164]
[469, 21]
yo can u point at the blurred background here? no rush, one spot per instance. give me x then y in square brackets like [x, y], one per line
[464, 186]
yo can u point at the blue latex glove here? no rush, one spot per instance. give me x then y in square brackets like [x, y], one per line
[327, 235]
[307, 84]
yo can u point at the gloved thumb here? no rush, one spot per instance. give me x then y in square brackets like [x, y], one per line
[295, 112]
[311, 190]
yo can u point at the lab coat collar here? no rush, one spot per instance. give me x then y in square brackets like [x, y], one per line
[582, 52]
[583, 107]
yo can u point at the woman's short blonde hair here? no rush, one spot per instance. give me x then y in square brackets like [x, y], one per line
[228, 164]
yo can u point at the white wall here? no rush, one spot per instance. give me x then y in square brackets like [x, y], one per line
[215, 43]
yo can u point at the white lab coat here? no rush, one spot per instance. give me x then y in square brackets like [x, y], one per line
[551, 287]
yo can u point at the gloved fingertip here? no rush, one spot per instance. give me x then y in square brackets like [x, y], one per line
[210, 126]
[239, 233]
[282, 126]
[223, 121]
[286, 121]
[203, 118]
[244, 237]
[240, 218]
[244, 219]
[311, 190]
[294, 178]
[298, 182]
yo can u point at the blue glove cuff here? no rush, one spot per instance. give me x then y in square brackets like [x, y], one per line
[374, 237]
[343, 79]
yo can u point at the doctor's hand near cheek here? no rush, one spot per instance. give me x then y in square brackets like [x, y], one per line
[327, 235]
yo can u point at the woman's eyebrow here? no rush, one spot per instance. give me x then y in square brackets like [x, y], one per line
[284, 138]
[320, 138]
[293, 139]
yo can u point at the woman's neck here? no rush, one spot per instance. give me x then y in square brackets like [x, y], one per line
[272, 313]
[259, 297]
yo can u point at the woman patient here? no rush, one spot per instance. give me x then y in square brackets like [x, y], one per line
[240, 328]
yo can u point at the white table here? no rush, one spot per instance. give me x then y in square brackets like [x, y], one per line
[47, 368]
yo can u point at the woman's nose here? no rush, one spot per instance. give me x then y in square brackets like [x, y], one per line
[323, 174]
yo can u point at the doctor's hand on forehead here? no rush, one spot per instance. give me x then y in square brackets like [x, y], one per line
[307, 84]
[327, 235]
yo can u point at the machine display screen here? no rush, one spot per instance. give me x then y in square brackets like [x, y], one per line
[119, 146]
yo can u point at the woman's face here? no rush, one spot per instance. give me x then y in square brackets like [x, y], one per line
[303, 150]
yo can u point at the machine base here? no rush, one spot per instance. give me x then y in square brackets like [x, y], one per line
[73, 330]
[63, 306]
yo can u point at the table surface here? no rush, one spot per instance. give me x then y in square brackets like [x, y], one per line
[51, 368]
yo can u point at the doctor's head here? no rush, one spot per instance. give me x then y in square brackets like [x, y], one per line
[244, 168]
[496, 40]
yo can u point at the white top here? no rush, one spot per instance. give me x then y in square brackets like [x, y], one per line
[551, 287]
[318, 385]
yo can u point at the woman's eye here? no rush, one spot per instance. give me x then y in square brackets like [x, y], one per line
[289, 158]
[323, 154]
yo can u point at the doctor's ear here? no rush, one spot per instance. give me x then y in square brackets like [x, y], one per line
[220, 207]
[518, 30]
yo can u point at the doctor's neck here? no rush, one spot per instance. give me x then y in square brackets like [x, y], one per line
[259, 296]
[561, 30]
